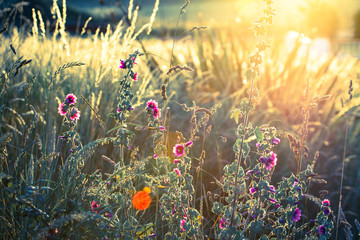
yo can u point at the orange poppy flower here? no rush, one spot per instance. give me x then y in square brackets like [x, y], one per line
[141, 200]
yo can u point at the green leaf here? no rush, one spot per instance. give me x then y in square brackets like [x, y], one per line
[245, 149]
[236, 114]
[258, 134]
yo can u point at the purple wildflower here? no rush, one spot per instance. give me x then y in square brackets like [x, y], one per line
[188, 144]
[271, 161]
[253, 190]
[275, 141]
[326, 211]
[322, 230]
[272, 189]
[296, 182]
[258, 145]
[176, 161]
[272, 200]
[71, 98]
[249, 172]
[296, 215]
[122, 64]
[262, 159]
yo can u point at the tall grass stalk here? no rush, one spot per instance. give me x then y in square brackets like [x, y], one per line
[343, 162]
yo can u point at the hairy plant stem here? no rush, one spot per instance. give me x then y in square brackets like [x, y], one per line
[246, 121]
[342, 174]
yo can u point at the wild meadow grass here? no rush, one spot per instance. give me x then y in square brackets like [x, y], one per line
[214, 135]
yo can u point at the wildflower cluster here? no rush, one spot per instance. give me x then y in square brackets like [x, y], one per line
[68, 109]
[124, 105]
[154, 112]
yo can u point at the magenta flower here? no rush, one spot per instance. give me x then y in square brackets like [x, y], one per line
[94, 206]
[249, 172]
[326, 202]
[275, 141]
[322, 230]
[326, 211]
[119, 110]
[179, 150]
[177, 171]
[152, 104]
[176, 161]
[253, 190]
[296, 182]
[62, 109]
[272, 200]
[258, 145]
[75, 114]
[71, 98]
[136, 77]
[134, 60]
[188, 144]
[182, 223]
[296, 215]
[223, 223]
[262, 159]
[156, 113]
[109, 215]
[122, 64]
[155, 155]
[271, 161]
[272, 189]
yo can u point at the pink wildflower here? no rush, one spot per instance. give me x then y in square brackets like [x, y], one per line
[152, 104]
[122, 64]
[253, 190]
[75, 114]
[275, 141]
[136, 77]
[188, 144]
[176, 161]
[156, 113]
[94, 206]
[326, 202]
[62, 109]
[179, 150]
[71, 98]
[223, 223]
[182, 225]
[177, 171]
[271, 161]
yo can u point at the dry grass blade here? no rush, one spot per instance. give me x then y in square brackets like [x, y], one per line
[94, 111]
[63, 67]
[178, 67]
[199, 28]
